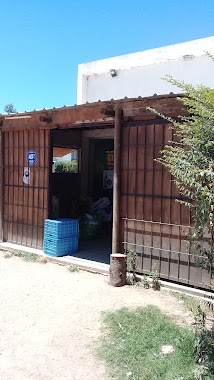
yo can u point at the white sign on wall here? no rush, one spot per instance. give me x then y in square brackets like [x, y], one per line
[108, 179]
[26, 176]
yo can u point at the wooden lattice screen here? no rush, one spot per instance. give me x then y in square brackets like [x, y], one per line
[25, 205]
[152, 222]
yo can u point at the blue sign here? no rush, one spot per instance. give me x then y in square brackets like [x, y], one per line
[31, 157]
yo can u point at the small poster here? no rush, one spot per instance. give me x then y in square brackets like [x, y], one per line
[109, 160]
[108, 179]
[26, 177]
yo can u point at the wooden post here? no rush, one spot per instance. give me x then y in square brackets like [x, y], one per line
[117, 269]
[116, 190]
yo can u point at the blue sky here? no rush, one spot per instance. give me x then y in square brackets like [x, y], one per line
[42, 42]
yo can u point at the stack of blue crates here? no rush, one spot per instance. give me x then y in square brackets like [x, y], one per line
[61, 237]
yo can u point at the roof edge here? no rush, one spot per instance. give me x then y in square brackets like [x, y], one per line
[92, 104]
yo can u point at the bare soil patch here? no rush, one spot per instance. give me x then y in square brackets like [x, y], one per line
[50, 319]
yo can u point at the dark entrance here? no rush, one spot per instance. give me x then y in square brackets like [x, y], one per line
[89, 201]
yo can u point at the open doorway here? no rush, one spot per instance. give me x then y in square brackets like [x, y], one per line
[81, 185]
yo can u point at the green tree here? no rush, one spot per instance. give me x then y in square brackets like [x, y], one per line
[66, 167]
[9, 108]
[190, 160]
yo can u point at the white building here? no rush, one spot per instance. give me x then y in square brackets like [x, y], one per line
[140, 74]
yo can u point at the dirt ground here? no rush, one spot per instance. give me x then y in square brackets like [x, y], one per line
[50, 319]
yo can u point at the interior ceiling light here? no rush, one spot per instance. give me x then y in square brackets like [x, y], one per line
[113, 73]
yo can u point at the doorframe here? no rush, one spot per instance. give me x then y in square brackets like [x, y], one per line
[50, 173]
[2, 187]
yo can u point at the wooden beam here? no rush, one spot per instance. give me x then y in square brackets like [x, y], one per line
[92, 113]
[92, 125]
[17, 117]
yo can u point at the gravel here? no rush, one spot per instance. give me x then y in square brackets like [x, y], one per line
[50, 319]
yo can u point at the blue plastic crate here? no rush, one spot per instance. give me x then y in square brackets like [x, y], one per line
[60, 247]
[61, 228]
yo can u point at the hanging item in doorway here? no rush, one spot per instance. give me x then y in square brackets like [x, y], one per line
[109, 159]
[108, 177]
[26, 177]
[31, 157]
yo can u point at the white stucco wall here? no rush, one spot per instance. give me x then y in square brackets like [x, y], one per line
[140, 74]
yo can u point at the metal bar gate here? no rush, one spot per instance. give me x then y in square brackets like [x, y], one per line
[25, 185]
[153, 223]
